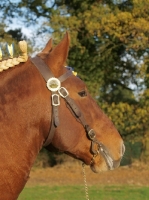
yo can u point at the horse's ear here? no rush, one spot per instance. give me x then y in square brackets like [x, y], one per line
[57, 57]
[46, 50]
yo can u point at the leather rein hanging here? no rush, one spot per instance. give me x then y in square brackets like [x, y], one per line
[54, 85]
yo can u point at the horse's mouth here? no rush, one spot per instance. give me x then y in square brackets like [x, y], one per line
[104, 161]
[103, 164]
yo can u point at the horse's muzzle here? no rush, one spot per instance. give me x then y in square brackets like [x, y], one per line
[116, 163]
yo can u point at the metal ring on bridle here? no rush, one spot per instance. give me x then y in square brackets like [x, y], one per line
[53, 84]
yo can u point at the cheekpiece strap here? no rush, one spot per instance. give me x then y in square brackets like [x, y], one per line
[54, 85]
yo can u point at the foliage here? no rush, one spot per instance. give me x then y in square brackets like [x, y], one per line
[46, 159]
[131, 120]
[109, 50]
[7, 39]
[103, 33]
[107, 42]
[11, 36]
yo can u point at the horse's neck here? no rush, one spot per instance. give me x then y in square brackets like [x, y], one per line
[22, 126]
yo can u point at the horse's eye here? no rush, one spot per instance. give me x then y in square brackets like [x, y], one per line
[82, 93]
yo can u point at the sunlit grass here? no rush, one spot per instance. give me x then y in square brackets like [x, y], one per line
[77, 193]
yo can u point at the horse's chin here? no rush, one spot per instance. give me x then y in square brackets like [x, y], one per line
[99, 168]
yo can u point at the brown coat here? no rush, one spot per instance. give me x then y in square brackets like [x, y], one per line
[25, 119]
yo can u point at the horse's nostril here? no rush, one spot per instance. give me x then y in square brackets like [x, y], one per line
[123, 149]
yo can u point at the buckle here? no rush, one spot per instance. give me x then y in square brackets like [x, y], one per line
[55, 100]
[63, 92]
[91, 134]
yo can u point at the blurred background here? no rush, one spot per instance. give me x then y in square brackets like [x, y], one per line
[109, 50]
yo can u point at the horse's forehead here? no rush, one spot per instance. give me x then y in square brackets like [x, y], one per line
[75, 84]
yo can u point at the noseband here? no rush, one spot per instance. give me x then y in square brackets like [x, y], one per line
[54, 85]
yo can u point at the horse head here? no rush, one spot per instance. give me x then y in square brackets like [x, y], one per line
[42, 103]
[83, 130]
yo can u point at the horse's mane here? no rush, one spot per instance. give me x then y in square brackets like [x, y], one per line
[6, 64]
[12, 62]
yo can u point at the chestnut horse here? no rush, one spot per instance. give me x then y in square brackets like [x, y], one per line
[33, 115]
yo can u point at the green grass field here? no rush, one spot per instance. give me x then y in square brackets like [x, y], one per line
[77, 193]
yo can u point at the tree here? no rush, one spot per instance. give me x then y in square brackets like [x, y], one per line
[109, 41]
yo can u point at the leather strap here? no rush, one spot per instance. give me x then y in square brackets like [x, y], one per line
[65, 76]
[76, 110]
[73, 106]
[50, 135]
[47, 74]
[42, 67]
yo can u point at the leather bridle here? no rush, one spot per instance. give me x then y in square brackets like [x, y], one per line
[72, 106]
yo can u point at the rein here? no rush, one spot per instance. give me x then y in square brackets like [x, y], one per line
[54, 85]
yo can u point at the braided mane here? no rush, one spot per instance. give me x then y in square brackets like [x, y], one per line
[6, 64]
